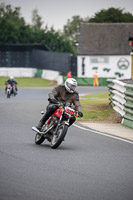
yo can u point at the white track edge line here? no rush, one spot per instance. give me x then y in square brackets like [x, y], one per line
[104, 134]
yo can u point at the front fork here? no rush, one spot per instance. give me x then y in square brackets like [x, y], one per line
[66, 122]
[58, 125]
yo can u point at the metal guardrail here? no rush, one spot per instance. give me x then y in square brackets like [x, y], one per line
[121, 99]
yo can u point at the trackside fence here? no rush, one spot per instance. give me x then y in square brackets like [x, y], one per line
[121, 99]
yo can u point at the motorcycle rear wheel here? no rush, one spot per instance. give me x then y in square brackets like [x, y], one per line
[59, 137]
[39, 138]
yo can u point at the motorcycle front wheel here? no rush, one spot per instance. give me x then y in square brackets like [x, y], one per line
[39, 138]
[8, 94]
[59, 136]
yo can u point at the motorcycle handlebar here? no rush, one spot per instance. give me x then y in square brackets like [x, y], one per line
[77, 113]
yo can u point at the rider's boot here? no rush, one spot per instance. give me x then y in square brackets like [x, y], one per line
[45, 118]
[39, 126]
[42, 121]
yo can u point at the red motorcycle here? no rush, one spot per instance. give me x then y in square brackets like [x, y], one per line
[55, 128]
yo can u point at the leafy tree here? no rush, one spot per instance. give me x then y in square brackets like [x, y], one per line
[111, 15]
[11, 24]
[14, 30]
[36, 20]
[58, 42]
[71, 29]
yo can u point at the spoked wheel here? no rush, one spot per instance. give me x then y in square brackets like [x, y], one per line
[39, 138]
[59, 137]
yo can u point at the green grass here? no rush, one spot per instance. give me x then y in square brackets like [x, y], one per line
[29, 82]
[96, 106]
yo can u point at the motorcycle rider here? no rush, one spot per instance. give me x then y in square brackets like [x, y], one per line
[62, 94]
[12, 82]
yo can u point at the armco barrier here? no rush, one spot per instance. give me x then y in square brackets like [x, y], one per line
[121, 99]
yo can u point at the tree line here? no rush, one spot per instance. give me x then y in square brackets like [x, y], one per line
[14, 29]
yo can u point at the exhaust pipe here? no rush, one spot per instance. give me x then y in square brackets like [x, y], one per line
[42, 133]
[36, 130]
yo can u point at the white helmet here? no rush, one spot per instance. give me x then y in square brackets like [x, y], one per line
[70, 85]
[11, 77]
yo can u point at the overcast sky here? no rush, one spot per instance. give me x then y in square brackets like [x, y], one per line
[56, 12]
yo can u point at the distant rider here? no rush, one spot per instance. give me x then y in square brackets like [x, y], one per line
[12, 82]
[62, 94]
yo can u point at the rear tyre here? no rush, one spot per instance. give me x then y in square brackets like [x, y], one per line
[39, 138]
[59, 137]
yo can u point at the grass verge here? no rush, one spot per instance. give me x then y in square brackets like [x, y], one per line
[96, 108]
[29, 82]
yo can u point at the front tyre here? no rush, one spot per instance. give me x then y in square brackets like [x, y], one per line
[8, 94]
[39, 138]
[59, 137]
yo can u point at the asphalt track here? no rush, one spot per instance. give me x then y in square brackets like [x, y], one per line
[87, 165]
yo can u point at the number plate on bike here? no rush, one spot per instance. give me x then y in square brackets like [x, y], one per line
[69, 111]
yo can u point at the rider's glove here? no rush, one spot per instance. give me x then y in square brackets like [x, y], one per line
[80, 114]
[54, 101]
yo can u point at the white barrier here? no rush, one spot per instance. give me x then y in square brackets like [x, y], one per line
[31, 72]
[17, 72]
[52, 75]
